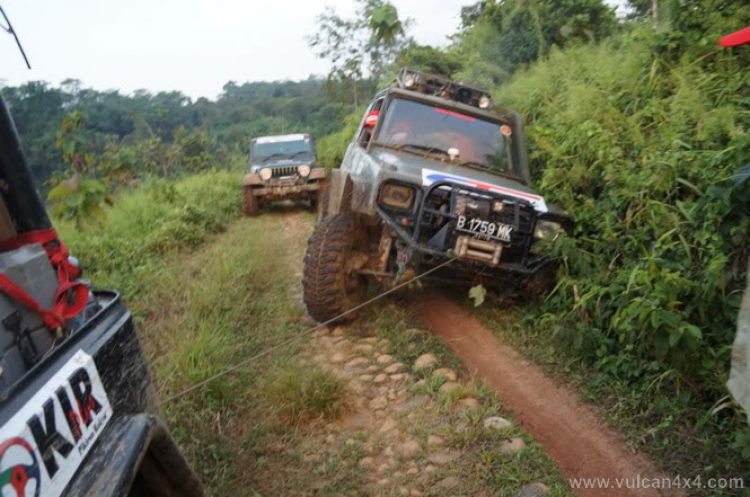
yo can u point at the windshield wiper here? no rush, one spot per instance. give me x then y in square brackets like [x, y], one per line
[424, 148]
[295, 154]
[484, 167]
[277, 154]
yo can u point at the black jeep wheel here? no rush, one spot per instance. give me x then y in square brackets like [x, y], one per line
[250, 203]
[331, 282]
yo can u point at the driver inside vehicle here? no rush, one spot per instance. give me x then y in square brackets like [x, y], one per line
[402, 132]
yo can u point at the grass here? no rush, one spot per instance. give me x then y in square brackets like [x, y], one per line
[303, 392]
[209, 311]
[149, 224]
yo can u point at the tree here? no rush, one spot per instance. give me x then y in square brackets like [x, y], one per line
[431, 59]
[361, 46]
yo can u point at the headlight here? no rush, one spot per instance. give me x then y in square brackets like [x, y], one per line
[409, 80]
[265, 174]
[400, 197]
[485, 102]
[304, 170]
[547, 230]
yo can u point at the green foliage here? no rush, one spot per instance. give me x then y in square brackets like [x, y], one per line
[385, 24]
[477, 294]
[158, 218]
[431, 59]
[362, 45]
[332, 148]
[80, 200]
[641, 152]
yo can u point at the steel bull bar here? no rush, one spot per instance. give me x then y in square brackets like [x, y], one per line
[524, 268]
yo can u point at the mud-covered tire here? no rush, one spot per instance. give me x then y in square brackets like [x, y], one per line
[330, 286]
[322, 201]
[250, 203]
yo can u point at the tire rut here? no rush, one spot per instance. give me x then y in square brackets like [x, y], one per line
[571, 433]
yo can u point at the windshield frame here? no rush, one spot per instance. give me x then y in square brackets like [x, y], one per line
[261, 159]
[497, 116]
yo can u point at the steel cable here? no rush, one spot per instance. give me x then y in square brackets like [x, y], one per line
[302, 335]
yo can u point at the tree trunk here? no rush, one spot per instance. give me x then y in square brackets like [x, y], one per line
[655, 13]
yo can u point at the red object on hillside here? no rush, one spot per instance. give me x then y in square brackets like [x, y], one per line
[737, 38]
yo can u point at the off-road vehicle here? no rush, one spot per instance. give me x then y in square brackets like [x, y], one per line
[78, 413]
[281, 168]
[435, 171]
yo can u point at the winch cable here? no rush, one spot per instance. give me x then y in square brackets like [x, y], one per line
[302, 335]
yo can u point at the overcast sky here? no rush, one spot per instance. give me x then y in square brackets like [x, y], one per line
[187, 45]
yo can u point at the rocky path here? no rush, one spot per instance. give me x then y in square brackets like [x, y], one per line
[409, 422]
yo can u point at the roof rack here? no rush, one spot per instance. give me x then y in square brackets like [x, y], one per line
[440, 86]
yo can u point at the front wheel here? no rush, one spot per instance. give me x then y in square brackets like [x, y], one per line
[250, 203]
[331, 280]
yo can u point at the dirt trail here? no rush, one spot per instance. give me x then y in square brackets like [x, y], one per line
[571, 433]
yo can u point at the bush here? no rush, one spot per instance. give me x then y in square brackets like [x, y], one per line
[331, 149]
[145, 224]
[641, 152]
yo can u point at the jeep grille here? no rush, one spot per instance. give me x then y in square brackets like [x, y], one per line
[283, 171]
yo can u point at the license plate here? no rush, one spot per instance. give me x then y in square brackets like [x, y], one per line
[485, 230]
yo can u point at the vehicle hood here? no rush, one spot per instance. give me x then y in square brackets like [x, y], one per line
[426, 171]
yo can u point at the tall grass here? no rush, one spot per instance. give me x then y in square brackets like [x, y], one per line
[153, 220]
[640, 149]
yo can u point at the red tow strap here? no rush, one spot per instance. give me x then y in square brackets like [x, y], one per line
[70, 298]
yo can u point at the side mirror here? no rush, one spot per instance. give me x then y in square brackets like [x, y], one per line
[371, 119]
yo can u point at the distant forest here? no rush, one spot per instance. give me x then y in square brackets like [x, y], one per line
[114, 119]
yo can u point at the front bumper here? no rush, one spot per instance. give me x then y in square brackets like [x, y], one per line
[426, 244]
[282, 187]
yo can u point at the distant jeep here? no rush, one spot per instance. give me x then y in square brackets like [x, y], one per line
[435, 171]
[281, 168]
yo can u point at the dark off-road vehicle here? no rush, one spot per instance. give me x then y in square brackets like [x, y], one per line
[281, 168]
[78, 412]
[435, 171]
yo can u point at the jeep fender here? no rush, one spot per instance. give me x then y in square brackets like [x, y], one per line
[347, 194]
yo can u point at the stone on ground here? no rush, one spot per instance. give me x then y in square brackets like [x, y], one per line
[394, 368]
[497, 423]
[435, 440]
[446, 373]
[425, 360]
[378, 403]
[409, 449]
[443, 457]
[512, 445]
[449, 386]
[533, 490]
[385, 359]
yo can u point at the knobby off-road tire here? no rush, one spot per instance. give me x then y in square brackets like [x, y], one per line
[250, 203]
[330, 282]
[321, 205]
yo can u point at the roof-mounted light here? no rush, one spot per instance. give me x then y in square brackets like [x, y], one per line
[440, 86]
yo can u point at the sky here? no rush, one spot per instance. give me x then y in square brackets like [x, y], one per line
[187, 45]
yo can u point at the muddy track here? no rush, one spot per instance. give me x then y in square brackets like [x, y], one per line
[571, 433]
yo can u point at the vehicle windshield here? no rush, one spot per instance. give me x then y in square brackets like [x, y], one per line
[423, 128]
[265, 149]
